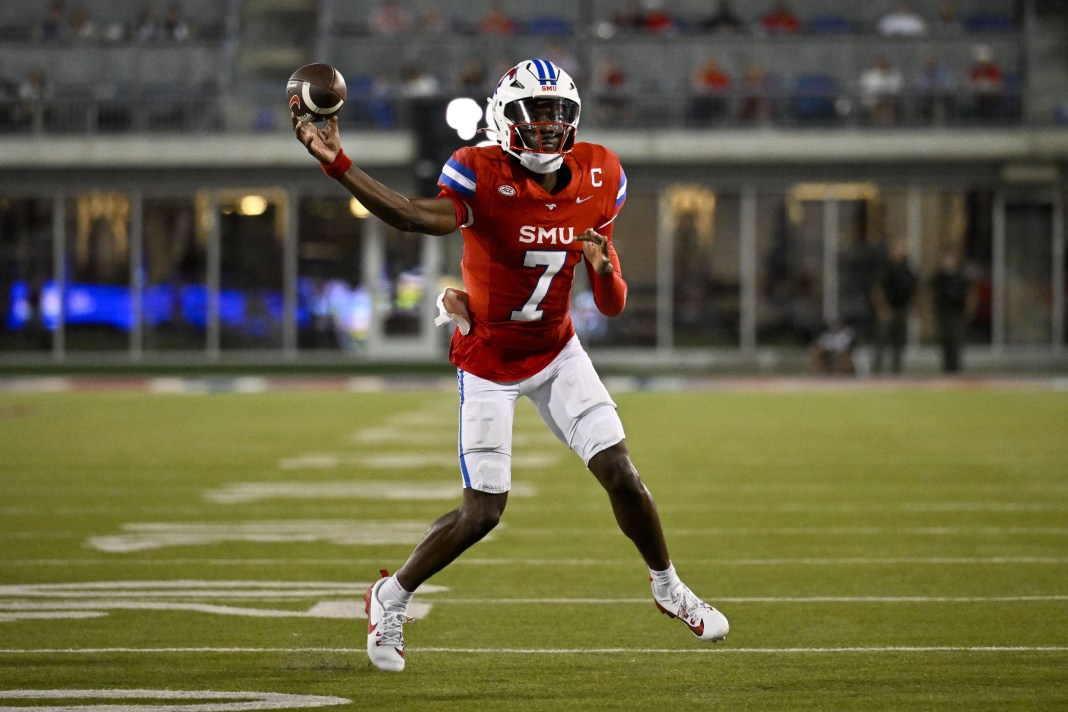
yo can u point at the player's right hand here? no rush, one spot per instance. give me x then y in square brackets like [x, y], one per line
[323, 143]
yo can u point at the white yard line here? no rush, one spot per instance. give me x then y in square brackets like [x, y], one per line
[473, 561]
[722, 649]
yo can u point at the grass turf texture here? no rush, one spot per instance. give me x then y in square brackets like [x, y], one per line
[873, 549]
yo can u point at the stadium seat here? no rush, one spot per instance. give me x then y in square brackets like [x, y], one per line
[830, 24]
[814, 97]
[556, 26]
[984, 23]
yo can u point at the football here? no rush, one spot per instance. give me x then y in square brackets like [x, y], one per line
[316, 92]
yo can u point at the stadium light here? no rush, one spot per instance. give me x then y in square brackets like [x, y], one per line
[252, 205]
[358, 209]
[463, 115]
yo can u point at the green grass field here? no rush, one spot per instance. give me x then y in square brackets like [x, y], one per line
[873, 548]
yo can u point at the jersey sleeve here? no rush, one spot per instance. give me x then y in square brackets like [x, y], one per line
[458, 183]
[621, 198]
[610, 291]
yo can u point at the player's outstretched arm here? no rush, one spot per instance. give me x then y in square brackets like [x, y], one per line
[430, 216]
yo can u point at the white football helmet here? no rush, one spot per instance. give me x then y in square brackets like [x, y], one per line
[534, 114]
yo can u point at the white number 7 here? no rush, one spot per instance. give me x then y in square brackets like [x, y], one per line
[553, 262]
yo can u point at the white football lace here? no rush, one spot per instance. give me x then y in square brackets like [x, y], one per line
[689, 604]
[393, 628]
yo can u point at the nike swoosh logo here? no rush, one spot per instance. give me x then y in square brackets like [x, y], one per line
[698, 630]
[583, 200]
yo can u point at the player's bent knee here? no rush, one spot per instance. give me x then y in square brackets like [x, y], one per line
[480, 516]
[617, 474]
[596, 432]
[487, 471]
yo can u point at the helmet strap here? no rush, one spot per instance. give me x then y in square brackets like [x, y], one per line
[541, 163]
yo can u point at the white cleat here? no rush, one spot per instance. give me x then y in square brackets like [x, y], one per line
[703, 620]
[385, 631]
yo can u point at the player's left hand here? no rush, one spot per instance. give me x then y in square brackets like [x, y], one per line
[595, 247]
[323, 143]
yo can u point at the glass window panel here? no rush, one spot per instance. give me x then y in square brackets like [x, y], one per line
[174, 304]
[27, 316]
[635, 237]
[334, 304]
[1063, 275]
[251, 306]
[402, 283]
[706, 266]
[98, 310]
[1028, 273]
[943, 223]
[978, 264]
[789, 269]
[862, 216]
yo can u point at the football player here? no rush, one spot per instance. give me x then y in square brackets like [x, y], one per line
[531, 208]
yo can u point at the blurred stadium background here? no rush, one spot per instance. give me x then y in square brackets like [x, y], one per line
[155, 210]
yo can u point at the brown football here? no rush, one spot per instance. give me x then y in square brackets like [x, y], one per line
[316, 92]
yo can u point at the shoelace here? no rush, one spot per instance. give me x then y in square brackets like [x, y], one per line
[689, 604]
[392, 627]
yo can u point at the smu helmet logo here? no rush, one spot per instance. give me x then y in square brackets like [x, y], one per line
[546, 72]
[509, 77]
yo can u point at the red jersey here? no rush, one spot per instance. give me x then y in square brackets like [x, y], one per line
[520, 254]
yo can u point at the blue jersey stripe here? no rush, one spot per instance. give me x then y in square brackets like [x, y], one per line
[622, 194]
[461, 169]
[458, 177]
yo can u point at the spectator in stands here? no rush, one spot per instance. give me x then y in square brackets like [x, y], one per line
[54, 25]
[894, 291]
[947, 22]
[389, 19]
[881, 86]
[82, 27]
[416, 82]
[903, 21]
[629, 17]
[723, 19]
[175, 27]
[710, 85]
[497, 22]
[34, 90]
[144, 28]
[781, 20]
[611, 87]
[934, 91]
[986, 82]
[951, 289]
[472, 79]
[656, 20]
[433, 21]
[757, 105]
[562, 57]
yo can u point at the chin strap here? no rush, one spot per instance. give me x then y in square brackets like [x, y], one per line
[541, 162]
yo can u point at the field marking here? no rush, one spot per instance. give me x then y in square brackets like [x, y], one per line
[157, 535]
[710, 650]
[404, 461]
[474, 561]
[227, 701]
[767, 599]
[332, 600]
[829, 531]
[246, 492]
